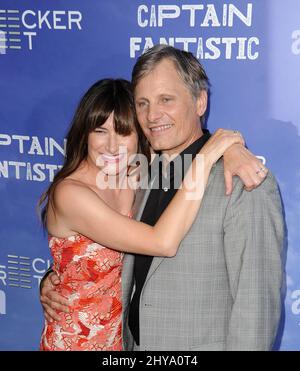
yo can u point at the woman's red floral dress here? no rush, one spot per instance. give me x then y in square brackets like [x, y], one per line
[91, 278]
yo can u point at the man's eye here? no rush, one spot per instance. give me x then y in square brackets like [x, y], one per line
[166, 99]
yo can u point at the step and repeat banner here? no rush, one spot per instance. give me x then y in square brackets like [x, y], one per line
[51, 52]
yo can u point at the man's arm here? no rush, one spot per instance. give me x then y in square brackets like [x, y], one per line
[50, 270]
[253, 240]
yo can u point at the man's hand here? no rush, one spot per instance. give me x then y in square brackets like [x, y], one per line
[241, 162]
[51, 301]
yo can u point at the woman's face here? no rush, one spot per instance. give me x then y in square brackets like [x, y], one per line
[110, 151]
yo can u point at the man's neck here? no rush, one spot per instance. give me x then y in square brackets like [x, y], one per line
[170, 154]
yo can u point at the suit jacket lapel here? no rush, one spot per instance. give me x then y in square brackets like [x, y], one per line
[158, 260]
[128, 262]
[154, 265]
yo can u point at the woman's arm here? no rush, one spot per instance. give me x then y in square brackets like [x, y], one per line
[85, 213]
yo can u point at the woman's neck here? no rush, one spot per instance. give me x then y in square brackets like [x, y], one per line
[99, 179]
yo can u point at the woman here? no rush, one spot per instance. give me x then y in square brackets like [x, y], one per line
[83, 215]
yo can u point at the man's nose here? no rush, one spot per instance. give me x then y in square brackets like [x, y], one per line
[154, 113]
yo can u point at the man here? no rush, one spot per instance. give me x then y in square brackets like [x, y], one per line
[222, 289]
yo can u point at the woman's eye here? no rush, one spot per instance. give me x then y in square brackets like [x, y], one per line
[141, 104]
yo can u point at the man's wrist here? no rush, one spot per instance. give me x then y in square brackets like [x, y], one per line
[50, 270]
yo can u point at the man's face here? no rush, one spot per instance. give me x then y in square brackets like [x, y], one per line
[166, 110]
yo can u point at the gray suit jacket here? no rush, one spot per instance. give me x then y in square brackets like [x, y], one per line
[222, 289]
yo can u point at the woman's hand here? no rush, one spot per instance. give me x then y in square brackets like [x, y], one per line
[241, 162]
[219, 142]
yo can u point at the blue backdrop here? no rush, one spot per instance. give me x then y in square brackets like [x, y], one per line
[52, 51]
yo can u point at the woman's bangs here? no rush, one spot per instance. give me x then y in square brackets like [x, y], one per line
[100, 113]
[123, 117]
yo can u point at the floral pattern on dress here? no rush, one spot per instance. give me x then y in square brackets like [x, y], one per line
[90, 277]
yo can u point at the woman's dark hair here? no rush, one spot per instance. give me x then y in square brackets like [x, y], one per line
[103, 98]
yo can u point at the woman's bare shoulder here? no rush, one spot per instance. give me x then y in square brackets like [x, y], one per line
[70, 191]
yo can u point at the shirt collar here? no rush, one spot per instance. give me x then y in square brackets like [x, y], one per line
[178, 162]
[196, 146]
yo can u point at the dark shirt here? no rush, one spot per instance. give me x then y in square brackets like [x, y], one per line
[157, 201]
